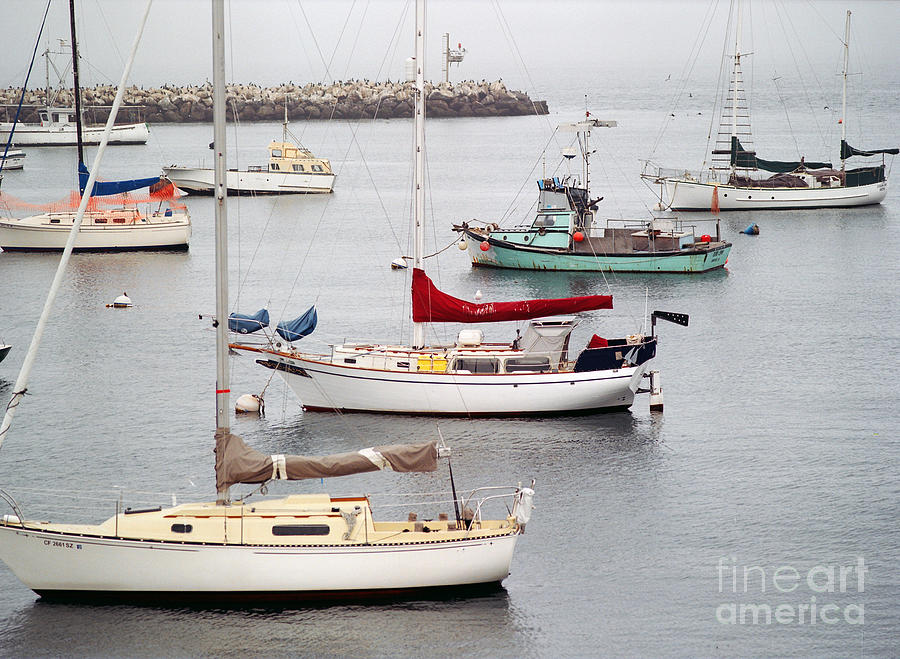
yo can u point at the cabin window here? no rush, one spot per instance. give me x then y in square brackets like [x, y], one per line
[290, 153]
[317, 168]
[526, 364]
[475, 364]
[44, 116]
[301, 529]
[276, 153]
[544, 221]
[59, 117]
[182, 528]
[274, 166]
[297, 168]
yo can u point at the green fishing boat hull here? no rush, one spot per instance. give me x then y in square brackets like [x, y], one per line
[500, 256]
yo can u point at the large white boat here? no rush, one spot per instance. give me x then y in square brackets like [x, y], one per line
[121, 225]
[738, 179]
[531, 374]
[292, 169]
[57, 128]
[293, 548]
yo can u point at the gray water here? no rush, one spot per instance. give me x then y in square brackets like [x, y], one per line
[777, 448]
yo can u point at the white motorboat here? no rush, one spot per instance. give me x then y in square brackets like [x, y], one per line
[292, 548]
[292, 169]
[740, 180]
[57, 128]
[531, 374]
[14, 159]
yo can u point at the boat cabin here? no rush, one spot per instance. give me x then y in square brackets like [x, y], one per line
[288, 158]
[57, 116]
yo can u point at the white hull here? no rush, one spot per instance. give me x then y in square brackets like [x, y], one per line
[15, 159]
[199, 179]
[64, 135]
[328, 386]
[39, 233]
[72, 564]
[691, 195]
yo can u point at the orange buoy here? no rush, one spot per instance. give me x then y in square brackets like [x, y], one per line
[577, 236]
[485, 246]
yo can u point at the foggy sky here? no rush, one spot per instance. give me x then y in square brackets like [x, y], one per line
[523, 42]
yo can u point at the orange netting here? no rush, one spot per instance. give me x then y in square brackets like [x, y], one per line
[158, 192]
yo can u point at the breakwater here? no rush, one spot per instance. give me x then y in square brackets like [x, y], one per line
[355, 99]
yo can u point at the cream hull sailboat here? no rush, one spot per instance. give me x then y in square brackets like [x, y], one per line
[125, 229]
[231, 553]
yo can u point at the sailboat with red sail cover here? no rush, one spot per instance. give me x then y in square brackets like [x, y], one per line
[535, 373]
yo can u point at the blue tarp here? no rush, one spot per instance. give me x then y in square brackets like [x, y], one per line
[106, 188]
[238, 322]
[292, 330]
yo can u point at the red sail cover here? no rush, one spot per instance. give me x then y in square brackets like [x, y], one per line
[430, 305]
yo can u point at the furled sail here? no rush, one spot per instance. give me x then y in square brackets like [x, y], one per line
[848, 151]
[106, 188]
[293, 330]
[432, 305]
[747, 159]
[238, 463]
[244, 324]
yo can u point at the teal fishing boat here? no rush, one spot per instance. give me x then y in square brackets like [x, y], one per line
[563, 234]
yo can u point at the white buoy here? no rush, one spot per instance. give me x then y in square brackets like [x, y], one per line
[121, 302]
[249, 404]
[478, 295]
[399, 263]
[463, 245]
[656, 395]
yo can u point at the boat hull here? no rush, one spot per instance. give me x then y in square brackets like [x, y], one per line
[691, 195]
[322, 386]
[31, 234]
[504, 255]
[4, 350]
[64, 135]
[199, 180]
[15, 159]
[70, 565]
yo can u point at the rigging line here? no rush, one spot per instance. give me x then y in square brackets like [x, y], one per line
[111, 38]
[693, 57]
[507, 214]
[24, 87]
[815, 116]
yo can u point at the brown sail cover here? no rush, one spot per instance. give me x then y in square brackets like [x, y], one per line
[430, 305]
[238, 463]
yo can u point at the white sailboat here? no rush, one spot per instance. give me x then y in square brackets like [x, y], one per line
[125, 225]
[292, 169]
[532, 374]
[739, 180]
[292, 548]
[12, 159]
[57, 125]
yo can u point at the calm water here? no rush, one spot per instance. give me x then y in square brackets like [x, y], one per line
[777, 448]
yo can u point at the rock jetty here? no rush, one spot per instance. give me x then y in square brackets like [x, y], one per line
[355, 99]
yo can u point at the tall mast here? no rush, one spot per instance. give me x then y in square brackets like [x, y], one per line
[419, 145]
[844, 93]
[223, 411]
[77, 89]
[734, 75]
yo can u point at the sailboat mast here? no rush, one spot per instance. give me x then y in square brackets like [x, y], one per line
[223, 411]
[76, 90]
[419, 145]
[844, 91]
[734, 74]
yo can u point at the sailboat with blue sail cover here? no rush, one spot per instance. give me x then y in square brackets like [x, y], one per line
[116, 220]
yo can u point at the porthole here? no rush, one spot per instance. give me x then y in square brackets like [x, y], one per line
[182, 528]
